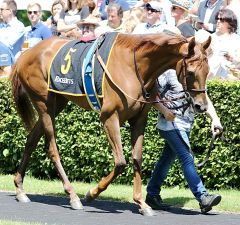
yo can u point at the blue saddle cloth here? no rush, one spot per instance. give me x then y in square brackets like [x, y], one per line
[66, 69]
[6, 55]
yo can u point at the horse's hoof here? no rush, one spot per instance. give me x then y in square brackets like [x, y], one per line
[76, 204]
[22, 197]
[147, 212]
[88, 197]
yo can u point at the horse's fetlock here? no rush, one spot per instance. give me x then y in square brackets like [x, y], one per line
[137, 164]
[68, 189]
[119, 168]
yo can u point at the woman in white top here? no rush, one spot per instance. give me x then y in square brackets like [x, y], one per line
[225, 46]
[76, 11]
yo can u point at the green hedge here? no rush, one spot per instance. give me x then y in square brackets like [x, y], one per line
[86, 154]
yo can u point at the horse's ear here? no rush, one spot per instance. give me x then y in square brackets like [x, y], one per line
[187, 49]
[207, 43]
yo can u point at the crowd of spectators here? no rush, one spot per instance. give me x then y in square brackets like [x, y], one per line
[87, 19]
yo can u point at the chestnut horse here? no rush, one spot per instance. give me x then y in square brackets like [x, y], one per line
[134, 59]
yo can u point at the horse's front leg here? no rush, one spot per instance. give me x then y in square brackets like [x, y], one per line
[137, 134]
[112, 129]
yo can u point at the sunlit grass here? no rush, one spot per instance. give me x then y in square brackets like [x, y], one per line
[10, 222]
[175, 196]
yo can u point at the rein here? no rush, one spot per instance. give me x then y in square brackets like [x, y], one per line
[146, 95]
[110, 77]
[217, 134]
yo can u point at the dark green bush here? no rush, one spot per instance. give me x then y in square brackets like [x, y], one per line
[86, 154]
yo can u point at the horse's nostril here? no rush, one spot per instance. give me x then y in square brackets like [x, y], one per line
[200, 108]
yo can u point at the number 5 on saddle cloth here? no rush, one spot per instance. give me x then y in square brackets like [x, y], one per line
[76, 71]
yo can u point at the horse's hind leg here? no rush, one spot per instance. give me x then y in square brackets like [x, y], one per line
[112, 129]
[48, 119]
[32, 141]
[31, 144]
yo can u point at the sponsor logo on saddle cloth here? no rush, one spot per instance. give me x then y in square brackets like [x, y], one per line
[66, 74]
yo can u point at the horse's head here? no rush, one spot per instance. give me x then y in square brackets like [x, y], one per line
[192, 71]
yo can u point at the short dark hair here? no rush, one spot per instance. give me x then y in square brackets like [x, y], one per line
[228, 16]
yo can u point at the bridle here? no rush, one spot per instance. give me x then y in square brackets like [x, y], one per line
[183, 70]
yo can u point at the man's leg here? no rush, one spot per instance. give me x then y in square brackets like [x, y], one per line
[159, 174]
[179, 143]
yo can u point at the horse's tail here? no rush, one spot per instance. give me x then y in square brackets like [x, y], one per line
[22, 101]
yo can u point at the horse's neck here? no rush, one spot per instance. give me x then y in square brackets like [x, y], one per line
[157, 66]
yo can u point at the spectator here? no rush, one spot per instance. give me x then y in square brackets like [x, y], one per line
[76, 11]
[12, 30]
[124, 6]
[194, 7]
[38, 31]
[6, 60]
[180, 14]
[12, 35]
[51, 22]
[207, 11]
[153, 22]
[137, 15]
[87, 28]
[166, 13]
[114, 21]
[234, 5]
[94, 7]
[225, 46]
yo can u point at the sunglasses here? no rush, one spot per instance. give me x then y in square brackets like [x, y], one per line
[174, 8]
[32, 12]
[223, 19]
[151, 9]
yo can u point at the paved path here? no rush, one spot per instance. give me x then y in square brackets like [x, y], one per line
[55, 210]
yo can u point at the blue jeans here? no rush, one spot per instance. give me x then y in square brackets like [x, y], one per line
[176, 145]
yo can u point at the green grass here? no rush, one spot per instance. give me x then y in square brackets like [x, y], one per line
[175, 196]
[10, 222]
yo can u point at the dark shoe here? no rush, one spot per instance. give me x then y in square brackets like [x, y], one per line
[155, 202]
[208, 201]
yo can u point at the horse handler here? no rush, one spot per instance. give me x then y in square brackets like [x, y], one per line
[176, 135]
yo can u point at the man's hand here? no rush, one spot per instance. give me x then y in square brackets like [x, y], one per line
[216, 127]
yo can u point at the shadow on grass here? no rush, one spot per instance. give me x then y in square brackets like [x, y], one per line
[109, 205]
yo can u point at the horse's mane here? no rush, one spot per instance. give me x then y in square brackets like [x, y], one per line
[149, 42]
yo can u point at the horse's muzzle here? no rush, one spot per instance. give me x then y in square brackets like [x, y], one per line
[200, 108]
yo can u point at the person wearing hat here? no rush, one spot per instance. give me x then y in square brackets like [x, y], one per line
[87, 28]
[153, 22]
[180, 9]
